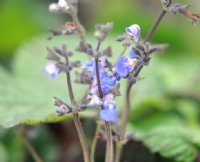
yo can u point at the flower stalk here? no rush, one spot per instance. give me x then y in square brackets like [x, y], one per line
[77, 122]
[109, 142]
[126, 112]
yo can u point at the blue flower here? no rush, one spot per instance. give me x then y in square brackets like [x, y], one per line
[90, 65]
[134, 31]
[109, 113]
[51, 69]
[107, 82]
[124, 64]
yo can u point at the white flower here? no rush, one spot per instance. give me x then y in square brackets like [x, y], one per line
[53, 7]
[134, 31]
[61, 5]
[94, 101]
[51, 69]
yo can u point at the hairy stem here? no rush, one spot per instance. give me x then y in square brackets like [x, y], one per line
[109, 142]
[94, 142]
[126, 112]
[81, 29]
[77, 122]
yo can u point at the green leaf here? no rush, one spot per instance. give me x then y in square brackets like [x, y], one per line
[3, 153]
[26, 95]
[165, 133]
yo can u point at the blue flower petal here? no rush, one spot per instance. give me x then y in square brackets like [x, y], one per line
[121, 67]
[132, 54]
[107, 82]
[89, 65]
[109, 115]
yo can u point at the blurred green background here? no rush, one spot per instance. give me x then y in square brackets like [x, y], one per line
[166, 104]
[21, 20]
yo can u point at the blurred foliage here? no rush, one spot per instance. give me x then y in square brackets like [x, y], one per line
[169, 125]
[165, 115]
[21, 20]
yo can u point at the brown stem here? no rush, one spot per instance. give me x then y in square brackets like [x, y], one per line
[109, 143]
[94, 142]
[126, 112]
[77, 122]
[98, 78]
[155, 25]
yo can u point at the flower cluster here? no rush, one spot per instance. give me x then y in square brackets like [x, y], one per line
[106, 77]
[107, 83]
[109, 75]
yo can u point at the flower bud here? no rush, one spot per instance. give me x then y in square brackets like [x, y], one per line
[134, 31]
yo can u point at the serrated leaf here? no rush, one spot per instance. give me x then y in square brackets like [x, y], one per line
[165, 133]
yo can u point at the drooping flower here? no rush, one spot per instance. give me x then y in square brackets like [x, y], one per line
[134, 31]
[109, 113]
[125, 64]
[51, 69]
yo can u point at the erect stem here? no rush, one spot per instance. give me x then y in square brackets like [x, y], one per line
[155, 25]
[77, 122]
[109, 142]
[126, 112]
[94, 142]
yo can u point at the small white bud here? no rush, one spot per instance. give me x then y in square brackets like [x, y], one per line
[53, 7]
[62, 3]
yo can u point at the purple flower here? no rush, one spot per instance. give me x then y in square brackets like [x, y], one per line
[134, 31]
[51, 69]
[109, 113]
